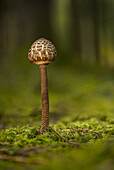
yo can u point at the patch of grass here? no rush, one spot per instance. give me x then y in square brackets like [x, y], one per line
[79, 132]
[80, 141]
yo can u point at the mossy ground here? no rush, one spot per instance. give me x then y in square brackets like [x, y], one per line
[87, 141]
[81, 111]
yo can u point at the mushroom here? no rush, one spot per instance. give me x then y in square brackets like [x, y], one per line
[43, 52]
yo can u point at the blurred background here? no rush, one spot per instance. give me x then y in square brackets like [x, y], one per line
[81, 80]
[80, 28]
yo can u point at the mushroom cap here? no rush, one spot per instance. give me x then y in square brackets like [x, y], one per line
[42, 51]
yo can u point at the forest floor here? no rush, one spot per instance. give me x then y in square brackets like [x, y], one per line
[81, 119]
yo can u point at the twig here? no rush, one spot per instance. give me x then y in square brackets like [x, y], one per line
[74, 137]
[88, 130]
[5, 151]
[19, 159]
[57, 134]
[6, 144]
[100, 134]
[70, 143]
[79, 132]
[67, 135]
[28, 151]
[72, 129]
[22, 152]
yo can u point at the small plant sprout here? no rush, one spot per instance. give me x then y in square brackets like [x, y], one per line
[43, 52]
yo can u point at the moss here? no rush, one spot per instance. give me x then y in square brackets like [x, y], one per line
[78, 132]
[49, 151]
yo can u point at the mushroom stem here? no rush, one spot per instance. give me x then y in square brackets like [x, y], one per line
[45, 98]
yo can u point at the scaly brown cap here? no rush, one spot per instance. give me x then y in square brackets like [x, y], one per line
[42, 51]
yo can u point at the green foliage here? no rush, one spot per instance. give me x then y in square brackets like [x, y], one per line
[90, 142]
[78, 132]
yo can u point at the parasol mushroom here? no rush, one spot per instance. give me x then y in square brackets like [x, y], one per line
[43, 52]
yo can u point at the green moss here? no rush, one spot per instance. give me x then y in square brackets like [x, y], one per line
[78, 132]
[93, 145]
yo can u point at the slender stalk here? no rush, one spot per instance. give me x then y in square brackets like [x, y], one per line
[45, 98]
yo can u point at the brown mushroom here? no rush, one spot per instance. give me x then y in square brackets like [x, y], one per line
[43, 52]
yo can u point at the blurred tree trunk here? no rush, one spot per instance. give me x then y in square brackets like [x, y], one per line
[96, 27]
[103, 32]
[61, 25]
[107, 32]
[87, 31]
[22, 23]
[9, 28]
[75, 31]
